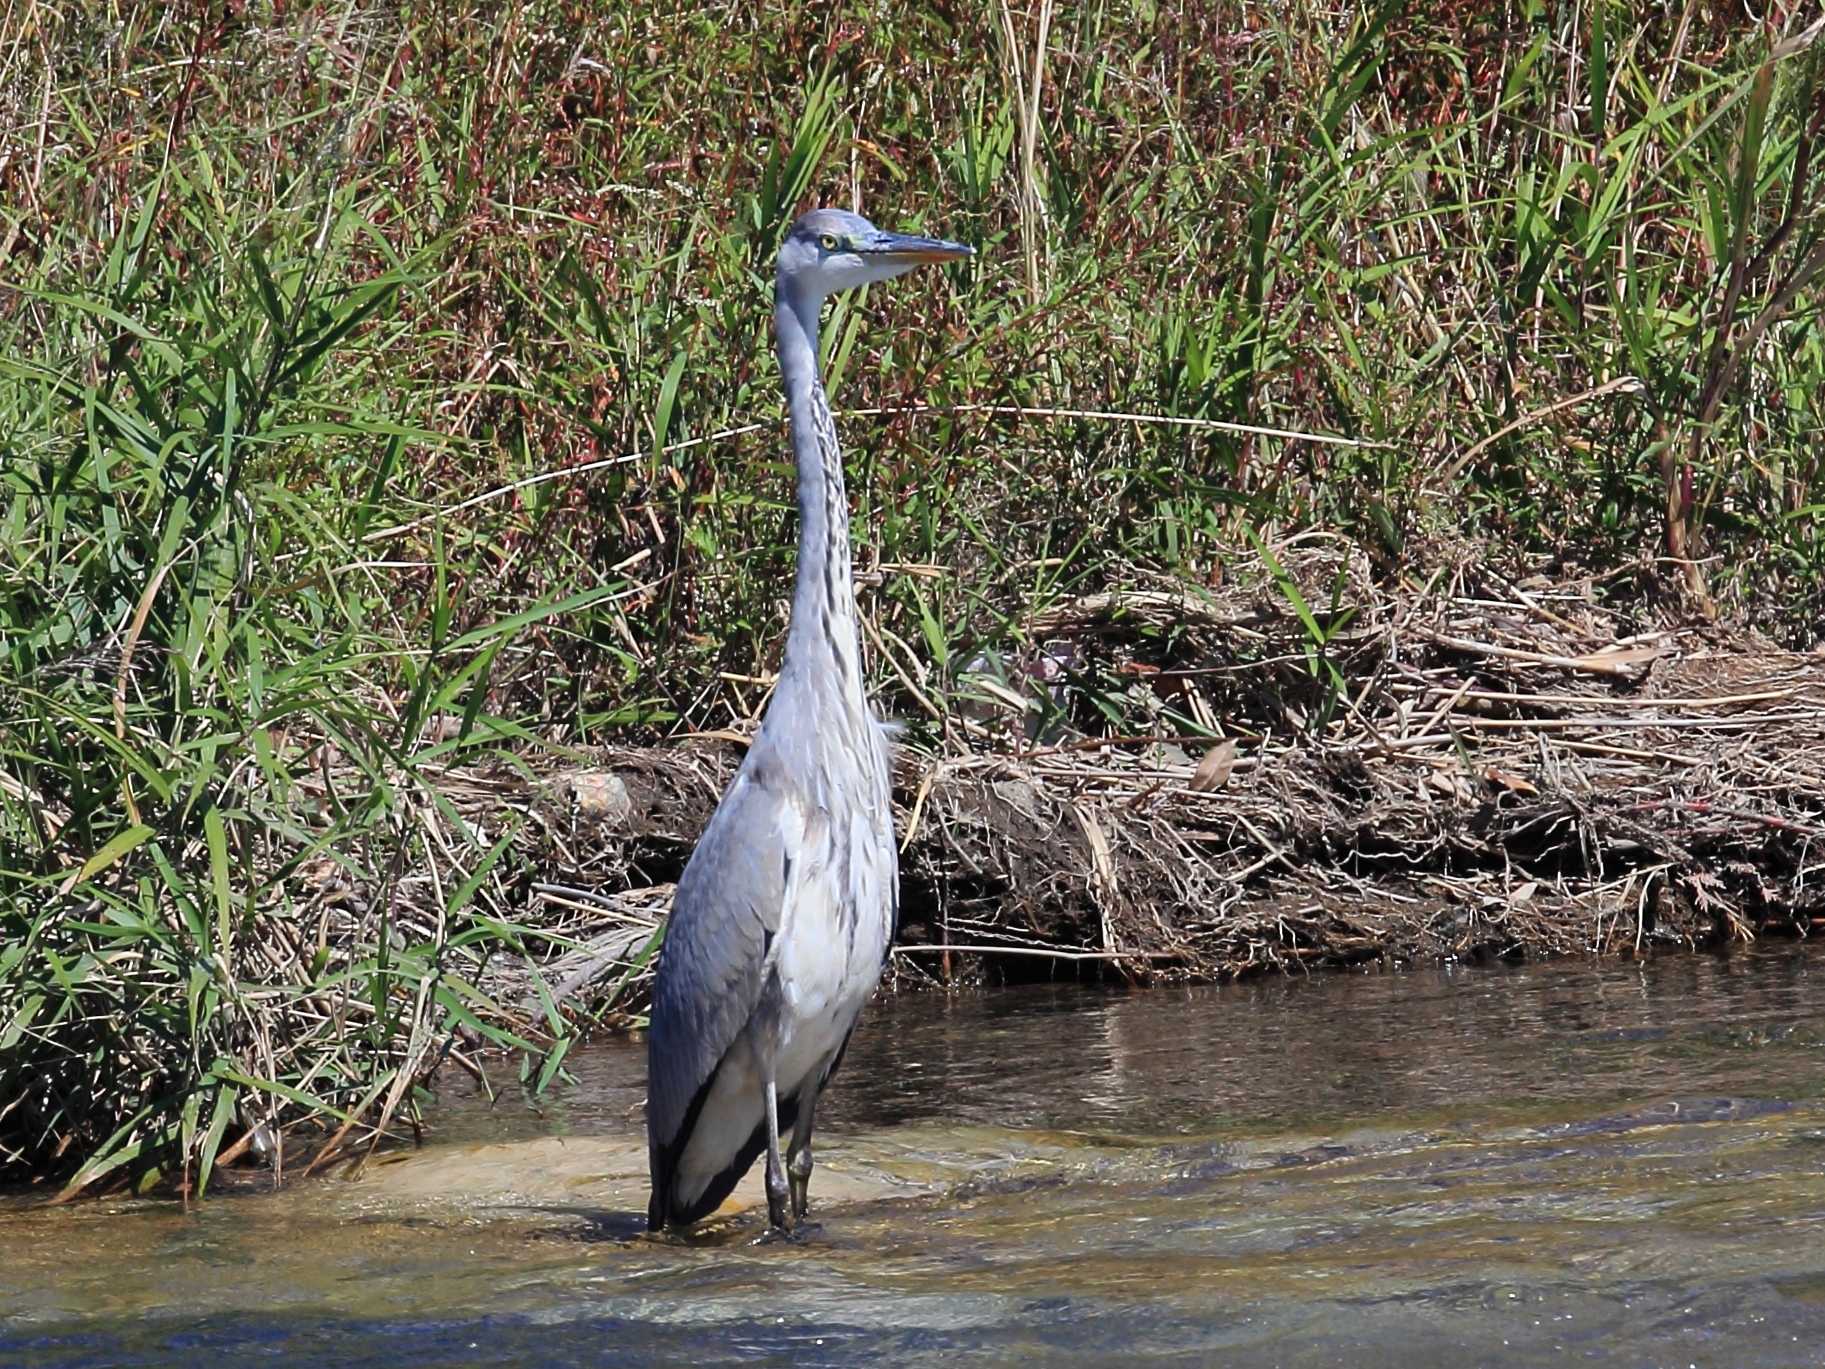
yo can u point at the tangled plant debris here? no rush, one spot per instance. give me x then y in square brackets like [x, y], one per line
[1498, 768]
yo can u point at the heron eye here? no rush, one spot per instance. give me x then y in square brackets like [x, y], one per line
[829, 242]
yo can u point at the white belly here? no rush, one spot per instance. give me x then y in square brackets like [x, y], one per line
[831, 960]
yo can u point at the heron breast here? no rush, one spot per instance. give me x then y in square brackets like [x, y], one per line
[831, 958]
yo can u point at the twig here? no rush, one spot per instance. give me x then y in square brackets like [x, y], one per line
[1038, 952]
[1629, 384]
[1617, 701]
[1594, 663]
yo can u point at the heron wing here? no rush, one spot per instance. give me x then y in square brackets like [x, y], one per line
[719, 942]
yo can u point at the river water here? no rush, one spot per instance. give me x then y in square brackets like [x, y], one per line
[1558, 1164]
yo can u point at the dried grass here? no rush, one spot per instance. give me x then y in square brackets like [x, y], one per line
[1510, 768]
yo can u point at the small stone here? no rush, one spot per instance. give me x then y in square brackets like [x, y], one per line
[599, 796]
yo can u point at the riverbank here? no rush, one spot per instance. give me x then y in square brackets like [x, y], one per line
[1473, 767]
[1464, 765]
[1356, 504]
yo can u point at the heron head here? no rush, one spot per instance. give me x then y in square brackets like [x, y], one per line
[831, 249]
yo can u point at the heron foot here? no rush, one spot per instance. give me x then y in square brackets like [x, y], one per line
[798, 1173]
[781, 1207]
[798, 1234]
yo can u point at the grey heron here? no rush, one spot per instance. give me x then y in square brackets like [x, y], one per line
[783, 916]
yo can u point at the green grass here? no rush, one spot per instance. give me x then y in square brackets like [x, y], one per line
[362, 371]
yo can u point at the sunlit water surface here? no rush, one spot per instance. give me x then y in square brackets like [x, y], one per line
[1615, 1165]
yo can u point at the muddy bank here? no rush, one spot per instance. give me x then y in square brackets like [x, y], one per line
[1467, 767]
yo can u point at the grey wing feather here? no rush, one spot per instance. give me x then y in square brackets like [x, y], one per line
[725, 915]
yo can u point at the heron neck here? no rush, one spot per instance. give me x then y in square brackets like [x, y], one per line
[822, 647]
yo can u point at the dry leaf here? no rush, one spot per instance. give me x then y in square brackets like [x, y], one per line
[1513, 783]
[1618, 660]
[1447, 783]
[1213, 770]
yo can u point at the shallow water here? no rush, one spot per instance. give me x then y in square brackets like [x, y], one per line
[1615, 1165]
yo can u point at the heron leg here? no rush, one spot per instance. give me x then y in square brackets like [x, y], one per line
[779, 1215]
[798, 1156]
